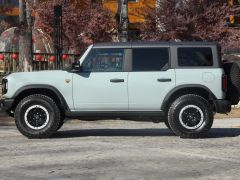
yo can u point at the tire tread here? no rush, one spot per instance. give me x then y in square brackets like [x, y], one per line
[175, 128]
[47, 133]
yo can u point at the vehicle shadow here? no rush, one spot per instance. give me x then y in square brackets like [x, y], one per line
[224, 132]
[112, 132]
[214, 133]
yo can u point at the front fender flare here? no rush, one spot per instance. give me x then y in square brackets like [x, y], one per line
[43, 86]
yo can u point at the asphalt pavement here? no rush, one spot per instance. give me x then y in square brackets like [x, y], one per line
[121, 150]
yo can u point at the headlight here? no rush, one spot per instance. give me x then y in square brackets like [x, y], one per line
[4, 86]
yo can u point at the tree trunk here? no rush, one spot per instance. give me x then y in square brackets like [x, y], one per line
[123, 27]
[25, 39]
[159, 26]
[35, 3]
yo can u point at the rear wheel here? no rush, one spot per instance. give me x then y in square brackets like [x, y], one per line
[60, 124]
[37, 116]
[190, 116]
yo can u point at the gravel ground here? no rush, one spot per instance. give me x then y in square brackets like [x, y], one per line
[121, 150]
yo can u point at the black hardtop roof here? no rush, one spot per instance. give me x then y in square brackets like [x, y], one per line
[151, 44]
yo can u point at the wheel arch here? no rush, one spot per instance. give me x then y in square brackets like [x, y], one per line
[46, 90]
[178, 91]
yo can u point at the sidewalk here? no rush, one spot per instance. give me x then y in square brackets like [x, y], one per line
[5, 120]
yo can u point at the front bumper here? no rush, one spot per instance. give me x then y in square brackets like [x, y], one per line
[222, 106]
[6, 104]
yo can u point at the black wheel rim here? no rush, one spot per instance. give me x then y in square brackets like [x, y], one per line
[36, 117]
[191, 117]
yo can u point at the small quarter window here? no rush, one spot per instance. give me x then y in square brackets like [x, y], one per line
[191, 56]
[150, 59]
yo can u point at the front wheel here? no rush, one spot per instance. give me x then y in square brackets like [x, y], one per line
[167, 125]
[37, 116]
[190, 116]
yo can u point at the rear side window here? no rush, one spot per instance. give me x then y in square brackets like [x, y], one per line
[150, 59]
[195, 56]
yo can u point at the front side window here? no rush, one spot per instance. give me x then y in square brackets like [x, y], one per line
[104, 60]
[191, 56]
[150, 59]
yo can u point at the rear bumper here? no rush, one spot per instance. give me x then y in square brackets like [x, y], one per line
[5, 104]
[222, 106]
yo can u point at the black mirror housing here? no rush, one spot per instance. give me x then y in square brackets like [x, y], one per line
[76, 66]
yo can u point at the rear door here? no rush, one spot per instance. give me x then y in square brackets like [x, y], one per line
[150, 79]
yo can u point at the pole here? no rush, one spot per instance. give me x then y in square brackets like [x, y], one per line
[58, 35]
[25, 38]
[123, 25]
[35, 3]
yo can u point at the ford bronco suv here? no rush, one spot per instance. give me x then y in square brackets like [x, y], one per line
[181, 84]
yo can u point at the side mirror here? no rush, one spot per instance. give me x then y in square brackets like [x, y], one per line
[76, 66]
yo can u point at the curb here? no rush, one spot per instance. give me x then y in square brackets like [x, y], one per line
[7, 123]
[5, 120]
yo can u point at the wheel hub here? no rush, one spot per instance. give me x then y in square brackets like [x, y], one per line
[191, 117]
[36, 117]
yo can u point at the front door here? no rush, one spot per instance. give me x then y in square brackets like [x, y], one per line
[102, 83]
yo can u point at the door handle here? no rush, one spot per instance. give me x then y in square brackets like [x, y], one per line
[164, 80]
[116, 80]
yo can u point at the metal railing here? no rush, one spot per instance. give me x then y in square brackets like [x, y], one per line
[9, 61]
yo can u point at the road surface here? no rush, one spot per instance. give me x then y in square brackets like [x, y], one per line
[121, 150]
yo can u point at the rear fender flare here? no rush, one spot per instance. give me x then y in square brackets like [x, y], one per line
[183, 89]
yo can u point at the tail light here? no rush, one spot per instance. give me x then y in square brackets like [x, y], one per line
[224, 83]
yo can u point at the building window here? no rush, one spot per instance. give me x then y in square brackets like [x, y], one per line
[133, 0]
[9, 2]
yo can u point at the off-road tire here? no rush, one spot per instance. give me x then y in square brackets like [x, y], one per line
[60, 124]
[53, 113]
[176, 111]
[167, 125]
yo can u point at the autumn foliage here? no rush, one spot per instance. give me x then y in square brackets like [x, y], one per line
[201, 20]
[81, 25]
[87, 21]
[4, 25]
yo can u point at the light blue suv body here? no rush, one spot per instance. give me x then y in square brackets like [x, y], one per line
[126, 80]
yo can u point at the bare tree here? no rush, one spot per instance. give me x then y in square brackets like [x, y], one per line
[4, 26]
[25, 38]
